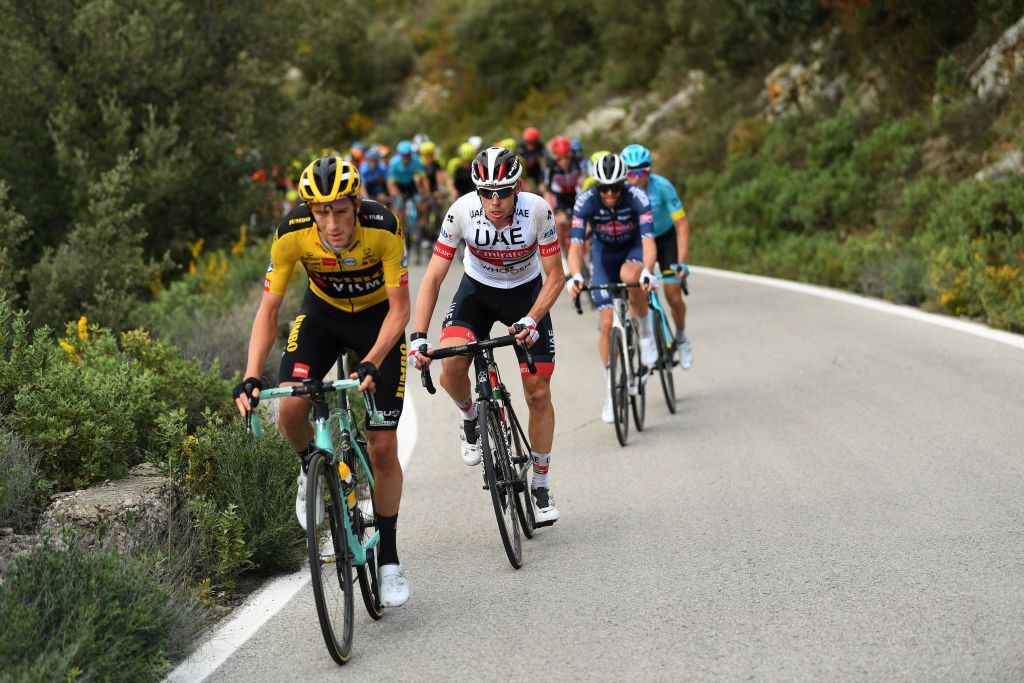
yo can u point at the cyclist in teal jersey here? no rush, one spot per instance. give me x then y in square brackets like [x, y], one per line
[671, 235]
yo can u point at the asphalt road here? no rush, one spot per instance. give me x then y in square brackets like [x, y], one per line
[840, 497]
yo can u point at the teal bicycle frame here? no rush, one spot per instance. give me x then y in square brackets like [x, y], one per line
[323, 440]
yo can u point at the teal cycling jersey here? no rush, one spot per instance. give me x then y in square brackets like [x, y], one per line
[665, 204]
[404, 173]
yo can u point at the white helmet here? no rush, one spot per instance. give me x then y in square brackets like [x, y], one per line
[496, 167]
[609, 169]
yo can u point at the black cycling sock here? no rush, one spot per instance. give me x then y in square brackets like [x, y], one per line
[387, 549]
[305, 453]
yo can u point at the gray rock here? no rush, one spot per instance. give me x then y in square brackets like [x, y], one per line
[115, 515]
[1011, 164]
[673, 107]
[992, 72]
[604, 119]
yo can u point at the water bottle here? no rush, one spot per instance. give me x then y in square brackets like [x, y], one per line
[347, 489]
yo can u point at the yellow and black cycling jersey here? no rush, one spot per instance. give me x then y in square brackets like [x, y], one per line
[351, 280]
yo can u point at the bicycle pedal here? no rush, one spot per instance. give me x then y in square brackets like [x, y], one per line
[540, 524]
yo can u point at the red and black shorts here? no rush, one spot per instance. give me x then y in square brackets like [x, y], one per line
[476, 307]
[321, 331]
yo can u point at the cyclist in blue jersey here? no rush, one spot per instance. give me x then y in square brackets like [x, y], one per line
[622, 250]
[374, 175]
[406, 179]
[671, 236]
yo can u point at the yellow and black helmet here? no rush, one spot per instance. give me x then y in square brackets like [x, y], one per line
[328, 178]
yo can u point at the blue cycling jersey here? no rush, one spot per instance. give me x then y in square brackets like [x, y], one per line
[665, 204]
[403, 173]
[626, 224]
[374, 178]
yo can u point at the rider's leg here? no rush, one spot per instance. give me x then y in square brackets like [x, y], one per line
[455, 379]
[542, 414]
[293, 420]
[674, 296]
[630, 272]
[605, 335]
[387, 471]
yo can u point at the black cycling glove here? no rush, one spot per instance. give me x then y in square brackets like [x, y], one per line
[366, 368]
[246, 386]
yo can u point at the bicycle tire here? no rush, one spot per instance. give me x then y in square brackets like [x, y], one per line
[499, 478]
[524, 498]
[364, 524]
[620, 386]
[332, 590]
[638, 400]
[668, 386]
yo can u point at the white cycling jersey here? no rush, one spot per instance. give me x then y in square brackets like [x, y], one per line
[502, 258]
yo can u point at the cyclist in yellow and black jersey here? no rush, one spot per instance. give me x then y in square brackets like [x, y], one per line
[357, 299]
[350, 279]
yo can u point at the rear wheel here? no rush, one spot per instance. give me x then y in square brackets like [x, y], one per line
[501, 483]
[522, 461]
[365, 523]
[638, 393]
[620, 385]
[665, 362]
[329, 560]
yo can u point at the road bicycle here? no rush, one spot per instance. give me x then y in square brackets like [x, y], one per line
[628, 375]
[340, 523]
[505, 449]
[665, 341]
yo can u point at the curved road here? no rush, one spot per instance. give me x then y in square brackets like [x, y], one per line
[841, 496]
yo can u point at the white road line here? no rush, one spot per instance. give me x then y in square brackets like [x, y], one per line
[976, 329]
[259, 607]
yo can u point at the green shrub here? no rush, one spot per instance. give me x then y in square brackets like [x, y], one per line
[19, 481]
[71, 615]
[82, 419]
[239, 487]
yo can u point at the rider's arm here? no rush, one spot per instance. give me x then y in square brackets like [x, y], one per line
[554, 280]
[264, 331]
[683, 238]
[430, 285]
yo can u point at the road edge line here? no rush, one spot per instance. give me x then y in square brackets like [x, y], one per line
[903, 311]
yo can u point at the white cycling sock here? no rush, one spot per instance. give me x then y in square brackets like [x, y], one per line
[645, 326]
[680, 335]
[467, 408]
[541, 463]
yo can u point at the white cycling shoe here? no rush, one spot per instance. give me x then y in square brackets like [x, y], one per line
[300, 502]
[608, 412]
[544, 511]
[470, 442]
[648, 352]
[685, 354]
[394, 588]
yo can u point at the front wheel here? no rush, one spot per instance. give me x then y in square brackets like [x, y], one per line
[665, 362]
[638, 391]
[620, 385]
[329, 560]
[501, 482]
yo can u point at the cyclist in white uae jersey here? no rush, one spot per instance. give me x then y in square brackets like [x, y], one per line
[510, 238]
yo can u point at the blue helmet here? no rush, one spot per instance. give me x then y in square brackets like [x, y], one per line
[576, 146]
[636, 155]
[404, 147]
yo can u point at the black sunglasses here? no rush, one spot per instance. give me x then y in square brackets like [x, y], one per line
[615, 187]
[488, 193]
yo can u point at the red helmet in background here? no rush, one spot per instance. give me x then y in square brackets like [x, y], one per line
[531, 135]
[561, 146]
